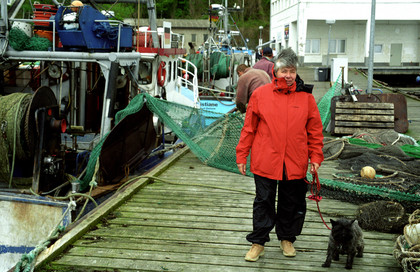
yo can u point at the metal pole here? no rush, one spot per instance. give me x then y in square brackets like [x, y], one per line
[297, 28]
[226, 22]
[328, 53]
[371, 47]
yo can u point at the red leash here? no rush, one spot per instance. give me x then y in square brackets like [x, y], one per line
[315, 196]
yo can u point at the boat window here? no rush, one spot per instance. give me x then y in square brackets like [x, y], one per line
[145, 72]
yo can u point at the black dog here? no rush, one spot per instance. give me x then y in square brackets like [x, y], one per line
[346, 237]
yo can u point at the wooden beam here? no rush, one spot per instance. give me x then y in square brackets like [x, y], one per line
[363, 105]
[363, 111]
[368, 118]
[352, 130]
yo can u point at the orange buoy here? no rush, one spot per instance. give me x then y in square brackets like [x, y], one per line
[161, 74]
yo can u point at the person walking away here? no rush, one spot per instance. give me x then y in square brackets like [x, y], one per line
[249, 80]
[265, 63]
[192, 48]
[283, 131]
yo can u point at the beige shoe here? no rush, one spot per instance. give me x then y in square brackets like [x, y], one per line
[288, 249]
[254, 253]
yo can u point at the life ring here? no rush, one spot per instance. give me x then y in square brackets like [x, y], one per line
[161, 74]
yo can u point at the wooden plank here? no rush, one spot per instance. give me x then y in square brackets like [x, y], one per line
[364, 124]
[366, 117]
[269, 264]
[198, 247]
[225, 234]
[363, 111]
[219, 258]
[364, 105]
[349, 130]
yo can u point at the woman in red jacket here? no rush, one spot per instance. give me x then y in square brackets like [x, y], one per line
[283, 131]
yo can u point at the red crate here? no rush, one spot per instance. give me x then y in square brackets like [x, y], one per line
[42, 15]
[48, 34]
[45, 7]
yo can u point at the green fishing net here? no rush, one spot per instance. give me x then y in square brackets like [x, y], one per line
[18, 40]
[219, 64]
[324, 104]
[211, 136]
[12, 138]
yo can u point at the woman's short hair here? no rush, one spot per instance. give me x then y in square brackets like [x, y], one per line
[286, 58]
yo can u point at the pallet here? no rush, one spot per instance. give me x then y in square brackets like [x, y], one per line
[352, 117]
[400, 111]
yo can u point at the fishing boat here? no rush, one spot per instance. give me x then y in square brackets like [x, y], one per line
[60, 101]
[216, 60]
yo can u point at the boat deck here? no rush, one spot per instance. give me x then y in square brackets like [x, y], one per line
[196, 219]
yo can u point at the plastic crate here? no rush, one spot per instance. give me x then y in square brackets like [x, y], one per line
[45, 7]
[43, 15]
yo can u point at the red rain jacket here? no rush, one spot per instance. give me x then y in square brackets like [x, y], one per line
[282, 128]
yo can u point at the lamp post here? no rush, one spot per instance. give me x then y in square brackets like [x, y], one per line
[329, 23]
[260, 40]
[371, 47]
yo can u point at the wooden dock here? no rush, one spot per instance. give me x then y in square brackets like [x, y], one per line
[195, 219]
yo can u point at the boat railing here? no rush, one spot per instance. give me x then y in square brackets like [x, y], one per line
[216, 92]
[114, 22]
[144, 39]
[188, 78]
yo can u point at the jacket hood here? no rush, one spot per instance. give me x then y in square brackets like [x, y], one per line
[302, 87]
[279, 84]
[298, 86]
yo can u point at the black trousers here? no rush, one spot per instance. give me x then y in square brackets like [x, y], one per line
[291, 209]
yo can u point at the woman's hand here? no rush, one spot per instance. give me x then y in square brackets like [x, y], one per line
[314, 167]
[242, 168]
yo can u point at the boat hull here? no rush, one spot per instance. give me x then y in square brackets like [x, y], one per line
[221, 105]
[25, 222]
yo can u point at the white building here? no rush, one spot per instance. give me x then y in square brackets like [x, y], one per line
[307, 25]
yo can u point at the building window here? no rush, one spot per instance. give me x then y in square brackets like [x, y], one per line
[378, 48]
[338, 46]
[193, 37]
[312, 46]
[205, 37]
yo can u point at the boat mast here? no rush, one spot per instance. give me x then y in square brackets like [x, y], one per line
[226, 25]
[151, 10]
